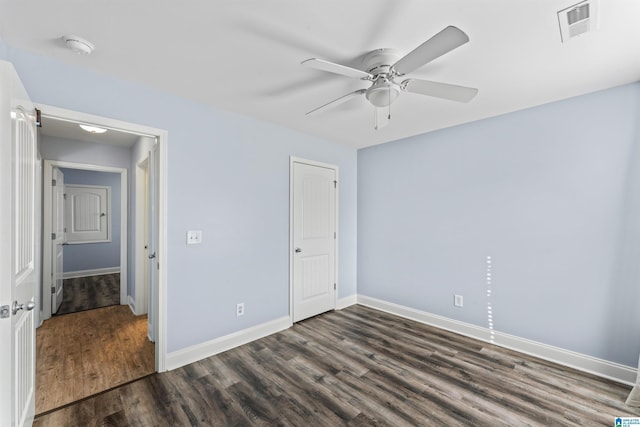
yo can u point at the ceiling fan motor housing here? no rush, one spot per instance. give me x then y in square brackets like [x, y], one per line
[378, 63]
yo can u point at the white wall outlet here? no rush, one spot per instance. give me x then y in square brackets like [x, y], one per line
[458, 301]
[240, 309]
[194, 237]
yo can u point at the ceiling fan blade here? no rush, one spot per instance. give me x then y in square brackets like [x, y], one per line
[443, 42]
[440, 90]
[382, 117]
[338, 101]
[332, 67]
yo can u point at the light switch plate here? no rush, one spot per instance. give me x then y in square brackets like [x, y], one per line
[194, 237]
[458, 301]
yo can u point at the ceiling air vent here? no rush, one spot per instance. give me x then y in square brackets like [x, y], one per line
[577, 19]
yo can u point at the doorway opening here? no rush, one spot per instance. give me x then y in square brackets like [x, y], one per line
[88, 225]
[121, 151]
[88, 219]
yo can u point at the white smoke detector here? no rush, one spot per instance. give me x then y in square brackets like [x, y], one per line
[79, 45]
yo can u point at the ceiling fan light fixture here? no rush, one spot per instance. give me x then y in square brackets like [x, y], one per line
[382, 93]
[79, 45]
[92, 129]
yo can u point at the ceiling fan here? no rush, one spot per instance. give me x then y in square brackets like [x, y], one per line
[383, 67]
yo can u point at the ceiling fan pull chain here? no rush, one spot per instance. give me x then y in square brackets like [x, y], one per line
[375, 118]
[389, 91]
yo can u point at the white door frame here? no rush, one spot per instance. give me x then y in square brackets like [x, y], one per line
[162, 141]
[55, 213]
[49, 165]
[293, 160]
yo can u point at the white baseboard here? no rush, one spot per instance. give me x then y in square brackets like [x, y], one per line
[132, 304]
[611, 370]
[87, 273]
[346, 302]
[197, 352]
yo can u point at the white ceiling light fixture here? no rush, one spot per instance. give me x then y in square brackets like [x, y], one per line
[92, 129]
[79, 45]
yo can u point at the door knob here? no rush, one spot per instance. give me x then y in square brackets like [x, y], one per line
[152, 256]
[17, 307]
[298, 250]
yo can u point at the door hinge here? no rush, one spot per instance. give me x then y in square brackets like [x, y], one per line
[335, 184]
[334, 235]
[53, 236]
[53, 289]
[38, 118]
[64, 196]
[53, 182]
[334, 286]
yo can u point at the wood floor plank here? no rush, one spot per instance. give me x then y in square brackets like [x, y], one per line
[359, 367]
[282, 376]
[143, 406]
[292, 402]
[225, 410]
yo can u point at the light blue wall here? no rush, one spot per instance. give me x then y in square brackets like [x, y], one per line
[229, 177]
[551, 193]
[90, 256]
[68, 150]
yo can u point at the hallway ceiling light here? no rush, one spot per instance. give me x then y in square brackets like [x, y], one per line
[79, 45]
[93, 129]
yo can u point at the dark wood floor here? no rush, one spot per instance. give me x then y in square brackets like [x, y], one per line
[81, 354]
[358, 367]
[89, 293]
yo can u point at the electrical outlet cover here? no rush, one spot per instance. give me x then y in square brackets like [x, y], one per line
[194, 237]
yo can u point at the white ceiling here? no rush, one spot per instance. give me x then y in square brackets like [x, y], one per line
[244, 56]
[70, 130]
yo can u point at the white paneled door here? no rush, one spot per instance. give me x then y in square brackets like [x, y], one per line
[17, 250]
[88, 213]
[314, 237]
[57, 240]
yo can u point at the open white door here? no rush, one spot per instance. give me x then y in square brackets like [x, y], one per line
[314, 234]
[17, 250]
[57, 239]
[152, 242]
[141, 238]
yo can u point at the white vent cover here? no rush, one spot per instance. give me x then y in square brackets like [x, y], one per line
[578, 19]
